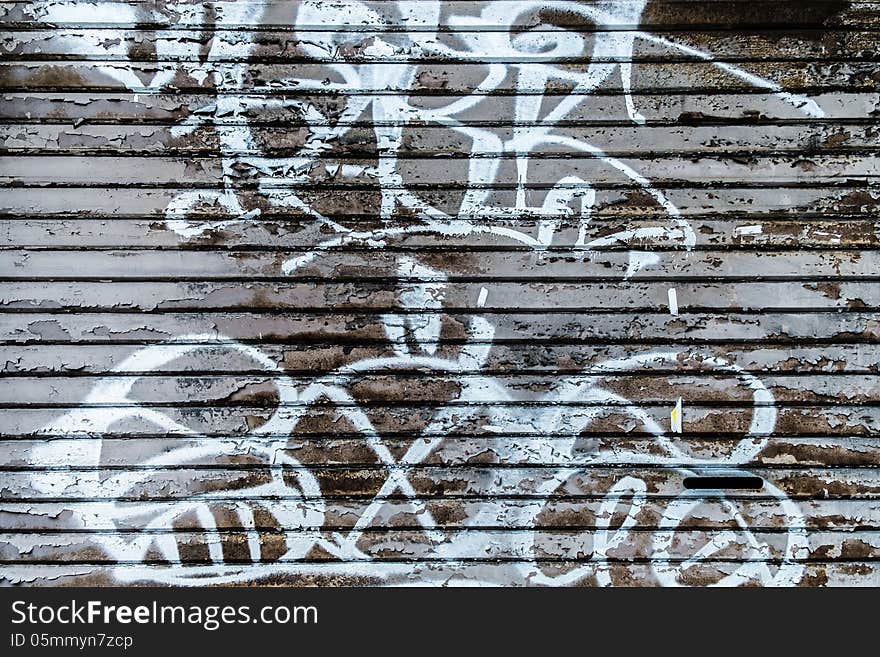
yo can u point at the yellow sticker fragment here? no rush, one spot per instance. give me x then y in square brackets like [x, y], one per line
[675, 417]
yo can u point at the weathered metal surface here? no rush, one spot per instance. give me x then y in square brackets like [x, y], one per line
[333, 292]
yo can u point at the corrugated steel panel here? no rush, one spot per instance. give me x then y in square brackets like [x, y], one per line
[520, 292]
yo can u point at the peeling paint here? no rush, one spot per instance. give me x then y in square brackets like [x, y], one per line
[388, 293]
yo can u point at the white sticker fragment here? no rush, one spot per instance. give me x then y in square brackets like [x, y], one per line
[481, 300]
[832, 237]
[749, 230]
[675, 417]
[673, 301]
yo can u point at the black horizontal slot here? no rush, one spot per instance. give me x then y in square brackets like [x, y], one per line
[737, 483]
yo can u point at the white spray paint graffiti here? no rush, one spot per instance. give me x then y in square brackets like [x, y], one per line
[415, 333]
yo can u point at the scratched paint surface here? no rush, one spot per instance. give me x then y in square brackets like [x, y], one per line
[510, 293]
